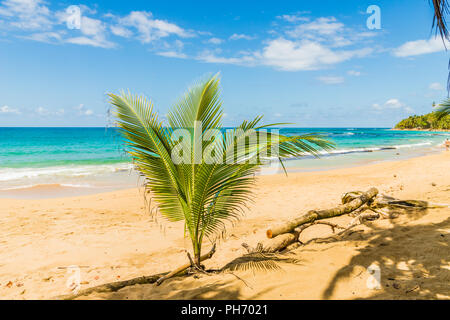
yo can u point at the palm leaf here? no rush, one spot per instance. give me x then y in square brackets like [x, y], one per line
[443, 109]
[441, 11]
[206, 192]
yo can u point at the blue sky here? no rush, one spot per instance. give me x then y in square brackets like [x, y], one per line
[311, 63]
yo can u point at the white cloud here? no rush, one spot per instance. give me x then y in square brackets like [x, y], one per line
[301, 45]
[418, 47]
[322, 26]
[172, 50]
[86, 10]
[172, 54]
[367, 34]
[354, 73]
[83, 111]
[305, 55]
[215, 41]
[48, 37]
[211, 57]
[45, 112]
[150, 29]
[436, 86]
[49, 26]
[42, 111]
[121, 31]
[91, 27]
[393, 104]
[86, 41]
[236, 36]
[94, 34]
[306, 46]
[331, 79]
[289, 55]
[328, 31]
[292, 17]
[26, 14]
[340, 41]
[7, 109]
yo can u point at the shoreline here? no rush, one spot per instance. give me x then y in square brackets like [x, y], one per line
[68, 190]
[92, 161]
[419, 129]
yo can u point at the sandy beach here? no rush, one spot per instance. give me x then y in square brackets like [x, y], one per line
[111, 237]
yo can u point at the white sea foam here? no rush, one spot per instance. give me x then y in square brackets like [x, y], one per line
[81, 176]
[381, 148]
[70, 185]
[414, 145]
[8, 174]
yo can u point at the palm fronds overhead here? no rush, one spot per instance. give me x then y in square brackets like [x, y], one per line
[441, 11]
[443, 109]
[197, 171]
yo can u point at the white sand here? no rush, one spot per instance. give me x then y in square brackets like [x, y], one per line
[111, 237]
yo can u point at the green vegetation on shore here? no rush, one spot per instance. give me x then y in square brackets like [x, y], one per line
[434, 121]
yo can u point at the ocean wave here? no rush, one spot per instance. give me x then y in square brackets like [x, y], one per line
[413, 145]
[49, 185]
[372, 149]
[69, 175]
[71, 171]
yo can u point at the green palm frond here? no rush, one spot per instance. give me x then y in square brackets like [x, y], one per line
[187, 165]
[443, 109]
[441, 12]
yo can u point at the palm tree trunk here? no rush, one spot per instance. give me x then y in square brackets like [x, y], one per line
[197, 260]
[197, 252]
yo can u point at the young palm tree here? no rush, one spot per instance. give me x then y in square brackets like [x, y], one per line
[205, 189]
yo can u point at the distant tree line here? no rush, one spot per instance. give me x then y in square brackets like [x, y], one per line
[427, 121]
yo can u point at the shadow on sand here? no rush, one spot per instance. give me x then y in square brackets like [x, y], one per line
[414, 260]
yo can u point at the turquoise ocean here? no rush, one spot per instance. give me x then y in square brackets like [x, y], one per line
[93, 159]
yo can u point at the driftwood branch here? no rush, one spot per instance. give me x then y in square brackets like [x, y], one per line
[185, 266]
[332, 225]
[114, 286]
[314, 215]
[279, 242]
